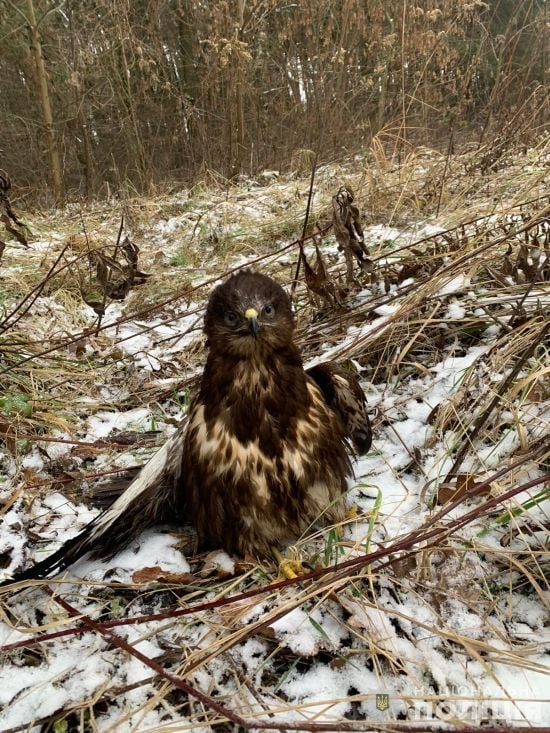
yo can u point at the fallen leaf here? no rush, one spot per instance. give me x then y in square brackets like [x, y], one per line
[157, 574]
[466, 485]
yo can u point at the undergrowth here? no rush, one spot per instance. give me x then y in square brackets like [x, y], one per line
[455, 305]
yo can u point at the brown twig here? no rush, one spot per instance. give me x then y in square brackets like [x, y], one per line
[304, 229]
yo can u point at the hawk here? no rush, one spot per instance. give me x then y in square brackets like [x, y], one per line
[266, 449]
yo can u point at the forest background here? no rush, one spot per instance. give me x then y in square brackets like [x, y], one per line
[110, 95]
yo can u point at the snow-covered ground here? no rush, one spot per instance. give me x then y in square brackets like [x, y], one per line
[456, 633]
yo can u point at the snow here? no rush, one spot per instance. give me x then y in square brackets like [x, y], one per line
[454, 284]
[458, 618]
[250, 653]
[150, 548]
[103, 423]
[33, 460]
[147, 342]
[67, 676]
[455, 311]
[454, 625]
[222, 562]
[57, 450]
[305, 633]
[526, 692]
[12, 540]
[529, 610]
[169, 226]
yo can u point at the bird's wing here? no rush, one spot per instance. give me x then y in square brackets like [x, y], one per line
[151, 498]
[343, 394]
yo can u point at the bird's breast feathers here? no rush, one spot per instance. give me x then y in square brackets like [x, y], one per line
[299, 448]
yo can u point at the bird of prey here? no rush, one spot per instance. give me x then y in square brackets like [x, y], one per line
[266, 448]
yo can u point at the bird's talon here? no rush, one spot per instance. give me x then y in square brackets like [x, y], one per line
[290, 569]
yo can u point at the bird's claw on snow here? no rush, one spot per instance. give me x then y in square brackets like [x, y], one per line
[289, 568]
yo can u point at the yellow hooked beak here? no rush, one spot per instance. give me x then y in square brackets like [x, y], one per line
[251, 314]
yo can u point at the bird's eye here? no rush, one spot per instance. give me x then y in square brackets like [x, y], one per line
[231, 318]
[269, 310]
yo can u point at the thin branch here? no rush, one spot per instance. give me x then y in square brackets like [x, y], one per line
[304, 229]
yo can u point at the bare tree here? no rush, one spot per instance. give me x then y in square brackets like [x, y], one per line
[147, 91]
[45, 106]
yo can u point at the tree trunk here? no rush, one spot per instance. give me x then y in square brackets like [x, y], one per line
[42, 79]
[237, 120]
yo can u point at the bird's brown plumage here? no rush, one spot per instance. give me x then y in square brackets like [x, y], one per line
[264, 454]
[265, 450]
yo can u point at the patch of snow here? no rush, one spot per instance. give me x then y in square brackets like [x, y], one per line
[380, 233]
[73, 673]
[455, 311]
[152, 547]
[103, 423]
[169, 226]
[12, 540]
[57, 450]
[305, 632]
[454, 284]
[223, 562]
[33, 460]
[387, 310]
[458, 618]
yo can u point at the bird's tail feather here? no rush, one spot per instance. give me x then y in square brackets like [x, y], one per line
[150, 499]
[69, 552]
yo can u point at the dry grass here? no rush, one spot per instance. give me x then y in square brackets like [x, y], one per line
[479, 279]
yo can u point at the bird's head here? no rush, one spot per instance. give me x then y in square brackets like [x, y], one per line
[249, 312]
